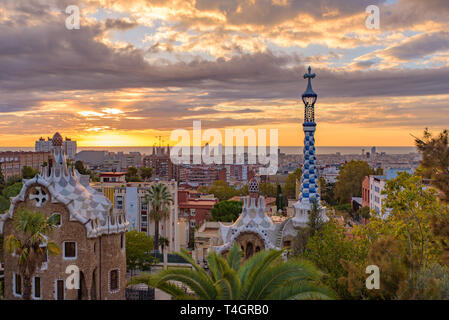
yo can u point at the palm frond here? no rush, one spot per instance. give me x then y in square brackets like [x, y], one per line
[275, 276]
[234, 257]
[302, 290]
[198, 284]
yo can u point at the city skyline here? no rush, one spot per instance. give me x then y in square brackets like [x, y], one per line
[136, 70]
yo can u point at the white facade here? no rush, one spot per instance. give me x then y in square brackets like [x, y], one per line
[69, 147]
[377, 185]
[330, 174]
[130, 199]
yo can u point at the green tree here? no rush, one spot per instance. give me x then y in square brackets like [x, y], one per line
[191, 244]
[4, 204]
[13, 179]
[411, 207]
[28, 172]
[329, 249]
[221, 190]
[363, 212]
[7, 193]
[226, 211]
[164, 242]
[290, 183]
[440, 232]
[435, 159]
[79, 166]
[263, 276]
[327, 191]
[267, 189]
[146, 173]
[411, 211]
[12, 190]
[389, 255]
[349, 181]
[30, 244]
[131, 175]
[138, 247]
[158, 199]
[436, 276]
[2, 180]
[315, 223]
[280, 203]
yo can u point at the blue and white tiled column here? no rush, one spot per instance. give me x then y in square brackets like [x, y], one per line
[309, 178]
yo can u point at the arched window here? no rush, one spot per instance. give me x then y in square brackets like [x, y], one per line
[249, 249]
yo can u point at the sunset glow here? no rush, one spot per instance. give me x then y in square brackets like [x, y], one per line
[136, 70]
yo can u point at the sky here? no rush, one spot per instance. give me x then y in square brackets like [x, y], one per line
[136, 70]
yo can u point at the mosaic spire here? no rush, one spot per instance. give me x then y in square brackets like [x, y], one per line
[309, 178]
[309, 192]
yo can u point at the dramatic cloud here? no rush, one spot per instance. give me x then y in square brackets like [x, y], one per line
[138, 67]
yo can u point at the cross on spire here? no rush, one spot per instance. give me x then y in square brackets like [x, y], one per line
[309, 76]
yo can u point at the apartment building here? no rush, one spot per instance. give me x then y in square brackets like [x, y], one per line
[194, 207]
[377, 185]
[129, 199]
[12, 163]
[161, 164]
[69, 146]
[203, 175]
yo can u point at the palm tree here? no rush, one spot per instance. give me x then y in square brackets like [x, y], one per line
[164, 242]
[263, 276]
[30, 244]
[159, 198]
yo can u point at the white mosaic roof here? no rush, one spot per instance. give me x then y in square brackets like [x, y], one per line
[85, 204]
[252, 219]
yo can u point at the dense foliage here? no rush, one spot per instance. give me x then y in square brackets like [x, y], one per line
[138, 247]
[263, 276]
[30, 243]
[158, 199]
[226, 211]
[350, 177]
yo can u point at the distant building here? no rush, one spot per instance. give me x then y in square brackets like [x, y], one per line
[330, 173]
[194, 208]
[365, 191]
[161, 164]
[201, 174]
[129, 198]
[12, 163]
[109, 161]
[119, 177]
[92, 158]
[206, 237]
[377, 185]
[69, 146]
